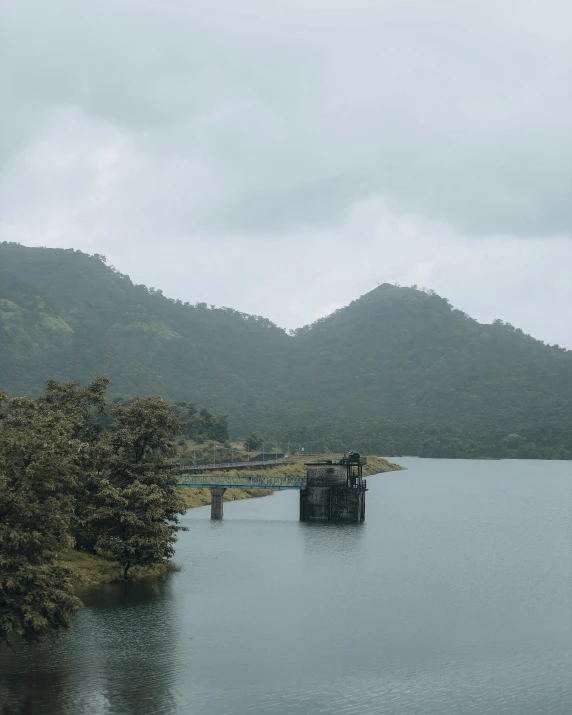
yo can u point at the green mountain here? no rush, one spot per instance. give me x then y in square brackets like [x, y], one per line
[67, 315]
[396, 356]
[409, 354]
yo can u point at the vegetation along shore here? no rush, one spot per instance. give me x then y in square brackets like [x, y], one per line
[91, 569]
[89, 494]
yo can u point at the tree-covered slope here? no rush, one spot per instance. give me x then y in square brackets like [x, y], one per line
[66, 315]
[404, 353]
[397, 354]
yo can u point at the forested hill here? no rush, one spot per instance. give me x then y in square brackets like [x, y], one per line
[396, 354]
[67, 315]
[405, 353]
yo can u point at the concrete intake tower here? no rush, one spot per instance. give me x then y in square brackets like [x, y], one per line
[335, 491]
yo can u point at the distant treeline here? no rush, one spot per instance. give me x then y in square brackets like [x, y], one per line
[198, 425]
[396, 438]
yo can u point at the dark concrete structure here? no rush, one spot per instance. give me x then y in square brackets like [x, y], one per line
[331, 490]
[217, 502]
[335, 491]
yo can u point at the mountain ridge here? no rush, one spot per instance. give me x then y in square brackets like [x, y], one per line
[395, 352]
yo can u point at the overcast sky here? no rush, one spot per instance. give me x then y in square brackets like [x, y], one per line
[283, 157]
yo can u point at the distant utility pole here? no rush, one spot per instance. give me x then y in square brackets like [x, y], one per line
[263, 452]
[231, 454]
[214, 450]
[195, 454]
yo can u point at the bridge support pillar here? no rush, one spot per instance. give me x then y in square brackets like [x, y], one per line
[217, 502]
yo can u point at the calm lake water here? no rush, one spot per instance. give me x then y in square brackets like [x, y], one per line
[454, 597]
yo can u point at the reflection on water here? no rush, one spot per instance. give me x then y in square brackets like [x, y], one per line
[118, 659]
[452, 598]
[332, 541]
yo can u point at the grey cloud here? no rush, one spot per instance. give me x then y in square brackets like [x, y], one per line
[283, 157]
[460, 114]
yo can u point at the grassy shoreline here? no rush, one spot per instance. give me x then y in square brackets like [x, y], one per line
[90, 570]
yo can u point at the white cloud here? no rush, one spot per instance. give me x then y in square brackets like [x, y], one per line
[283, 158]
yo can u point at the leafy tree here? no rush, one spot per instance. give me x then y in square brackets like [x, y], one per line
[253, 442]
[136, 509]
[201, 425]
[86, 410]
[39, 465]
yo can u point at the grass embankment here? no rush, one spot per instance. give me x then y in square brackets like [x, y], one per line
[90, 570]
[375, 465]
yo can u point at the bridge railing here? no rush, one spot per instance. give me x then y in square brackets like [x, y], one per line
[230, 465]
[243, 481]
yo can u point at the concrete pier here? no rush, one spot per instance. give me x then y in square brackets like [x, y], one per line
[217, 502]
[334, 492]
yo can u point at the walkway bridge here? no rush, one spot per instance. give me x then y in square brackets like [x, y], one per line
[219, 483]
[330, 491]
